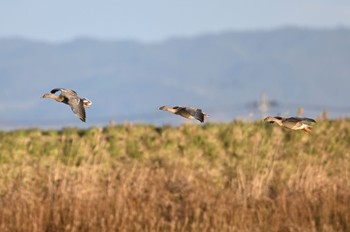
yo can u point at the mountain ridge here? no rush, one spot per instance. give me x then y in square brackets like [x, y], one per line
[220, 73]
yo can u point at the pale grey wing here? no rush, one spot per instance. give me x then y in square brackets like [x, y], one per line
[292, 120]
[190, 110]
[196, 113]
[182, 111]
[308, 120]
[296, 119]
[77, 107]
[65, 91]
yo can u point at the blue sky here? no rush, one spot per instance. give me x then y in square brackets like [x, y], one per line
[154, 20]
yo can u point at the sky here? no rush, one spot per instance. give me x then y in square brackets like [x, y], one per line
[156, 20]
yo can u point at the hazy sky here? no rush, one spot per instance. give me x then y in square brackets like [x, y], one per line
[154, 20]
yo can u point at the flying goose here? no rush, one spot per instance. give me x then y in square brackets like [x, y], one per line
[186, 112]
[293, 123]
[71, 98]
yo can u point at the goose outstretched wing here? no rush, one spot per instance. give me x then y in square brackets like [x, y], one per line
[296, 119]
[77, 107]
[64, 91]
[195, 113]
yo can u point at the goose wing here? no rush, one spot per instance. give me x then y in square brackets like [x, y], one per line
[196, 113]
[64, 91]
[77, 107]
[308, 120]
[296, 119]
[180, 110]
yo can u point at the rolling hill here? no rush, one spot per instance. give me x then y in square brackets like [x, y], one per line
[224, 74]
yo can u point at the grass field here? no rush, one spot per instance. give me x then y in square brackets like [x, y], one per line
[239, 176]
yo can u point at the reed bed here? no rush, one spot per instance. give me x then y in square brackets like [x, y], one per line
[238, 176]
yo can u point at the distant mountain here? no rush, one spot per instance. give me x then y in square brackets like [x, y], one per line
[224, 74]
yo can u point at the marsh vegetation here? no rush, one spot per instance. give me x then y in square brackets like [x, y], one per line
[238, 176]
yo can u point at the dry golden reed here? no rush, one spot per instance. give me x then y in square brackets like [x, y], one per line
[239, 176]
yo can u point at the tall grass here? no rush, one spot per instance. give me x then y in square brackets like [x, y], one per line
[237, 176]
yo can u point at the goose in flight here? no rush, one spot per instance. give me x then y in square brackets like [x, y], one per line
[186, 112]
[293, 123]
[71, 98]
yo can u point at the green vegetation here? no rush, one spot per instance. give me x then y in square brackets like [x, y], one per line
[239, 176]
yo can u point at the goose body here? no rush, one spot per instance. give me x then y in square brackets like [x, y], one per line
[186, 112]
[293, 123]
[71, 98]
